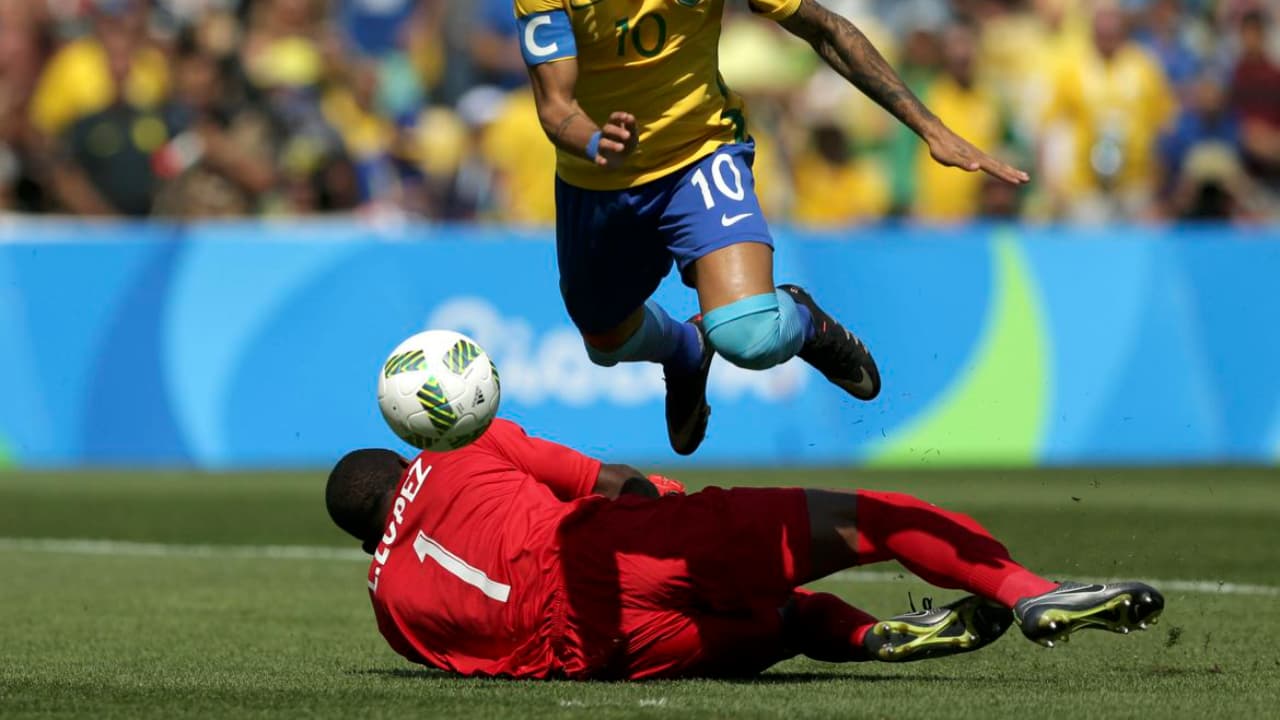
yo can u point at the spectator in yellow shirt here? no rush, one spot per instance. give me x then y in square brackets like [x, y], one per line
[78, 80]
[103, 165]
[833, 187]
[1021, 51]
[512, 144]
[1115, 99]
[973, 109]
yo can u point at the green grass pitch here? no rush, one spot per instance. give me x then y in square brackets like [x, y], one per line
[228, 629]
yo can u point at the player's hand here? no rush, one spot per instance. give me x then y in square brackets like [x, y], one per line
[667, 486]
[617, 139]
[949, 149]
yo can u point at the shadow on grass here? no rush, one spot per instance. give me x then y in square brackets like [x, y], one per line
[789, 678]
[1178, 671]
[776, 678]
[407, 673]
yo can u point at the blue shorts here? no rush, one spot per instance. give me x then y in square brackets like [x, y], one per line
[615, 246]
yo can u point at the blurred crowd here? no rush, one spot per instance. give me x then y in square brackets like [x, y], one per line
[1124, 110]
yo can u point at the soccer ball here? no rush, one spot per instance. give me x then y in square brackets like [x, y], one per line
[438, 390]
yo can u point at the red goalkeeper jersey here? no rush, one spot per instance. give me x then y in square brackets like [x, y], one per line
[466, 577]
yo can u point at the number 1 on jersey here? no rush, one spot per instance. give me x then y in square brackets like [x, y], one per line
[623, 26]
[426, 547]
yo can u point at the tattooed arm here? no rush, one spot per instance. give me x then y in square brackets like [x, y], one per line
[843, 46]
[567, 126]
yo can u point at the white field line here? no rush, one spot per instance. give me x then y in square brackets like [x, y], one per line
[125, 548]
[1208, 587]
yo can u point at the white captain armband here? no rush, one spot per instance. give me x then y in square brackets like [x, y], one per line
[546, 36]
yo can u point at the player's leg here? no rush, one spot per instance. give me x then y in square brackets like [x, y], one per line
[821, 626]
[824, 627]
[651, 335]
[700, 644]
[717, 232]
[670, 644]
[705, 584]
[952, 550]
[749, 322]
[648, 334]
[611, 261]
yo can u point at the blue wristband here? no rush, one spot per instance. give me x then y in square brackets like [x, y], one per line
[593, 146]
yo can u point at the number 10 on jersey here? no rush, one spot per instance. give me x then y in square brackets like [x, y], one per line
[648, 35]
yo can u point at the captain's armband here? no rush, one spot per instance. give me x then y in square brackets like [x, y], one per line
[546, 37]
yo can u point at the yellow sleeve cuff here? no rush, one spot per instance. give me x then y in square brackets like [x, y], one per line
[531, 7]
[776, 10]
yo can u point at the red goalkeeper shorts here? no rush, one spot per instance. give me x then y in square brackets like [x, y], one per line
[682, 585]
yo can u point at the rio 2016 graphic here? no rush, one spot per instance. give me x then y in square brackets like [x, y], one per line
[250, 345]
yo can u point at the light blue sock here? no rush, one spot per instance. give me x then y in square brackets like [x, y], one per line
[806, 319]
[660, 339]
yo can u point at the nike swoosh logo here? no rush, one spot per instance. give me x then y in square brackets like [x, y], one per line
[727, 221]
[864, 383]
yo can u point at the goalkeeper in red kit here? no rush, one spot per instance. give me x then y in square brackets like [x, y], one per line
[517, 557]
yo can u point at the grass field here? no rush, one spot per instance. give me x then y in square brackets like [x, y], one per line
[230, 595]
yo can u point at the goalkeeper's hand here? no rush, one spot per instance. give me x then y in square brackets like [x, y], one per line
[666, 485]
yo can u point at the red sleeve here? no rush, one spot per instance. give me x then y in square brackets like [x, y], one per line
[568, 473]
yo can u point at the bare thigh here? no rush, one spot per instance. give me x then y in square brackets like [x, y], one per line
[733, 273]
[833, 535]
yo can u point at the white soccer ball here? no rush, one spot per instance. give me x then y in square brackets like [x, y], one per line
[439, 390]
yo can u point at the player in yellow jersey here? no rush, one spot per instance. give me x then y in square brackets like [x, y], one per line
[654, 166]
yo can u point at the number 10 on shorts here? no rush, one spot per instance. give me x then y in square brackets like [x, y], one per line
[733, 191]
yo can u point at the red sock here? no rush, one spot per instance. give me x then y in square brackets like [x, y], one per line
[826, 628]
[944, 548]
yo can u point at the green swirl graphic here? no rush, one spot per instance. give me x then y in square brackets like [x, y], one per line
[994, 413]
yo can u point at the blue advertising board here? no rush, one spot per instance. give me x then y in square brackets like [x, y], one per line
[257, 345]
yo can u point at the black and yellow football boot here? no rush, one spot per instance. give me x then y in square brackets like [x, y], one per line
[1120, 607]
[963, 626]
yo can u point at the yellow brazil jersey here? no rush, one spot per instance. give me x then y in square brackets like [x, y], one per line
[947, 194]
[655, 59]
[1127, 101]
[77, 82]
